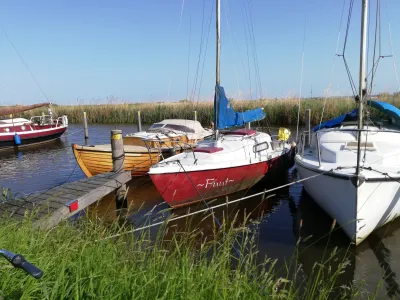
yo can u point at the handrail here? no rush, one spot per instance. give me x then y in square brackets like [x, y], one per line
[318, 150]
[356, 129]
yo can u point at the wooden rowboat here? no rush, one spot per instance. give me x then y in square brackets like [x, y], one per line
[142, 149]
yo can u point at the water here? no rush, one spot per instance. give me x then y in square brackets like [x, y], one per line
[280, 220]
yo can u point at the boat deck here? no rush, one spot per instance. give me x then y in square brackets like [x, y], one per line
[127, 148]
[50, 207]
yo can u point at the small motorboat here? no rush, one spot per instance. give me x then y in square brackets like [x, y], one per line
[143, 149]
[19, 132]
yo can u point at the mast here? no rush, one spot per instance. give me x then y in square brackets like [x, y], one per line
[363, 79]
[217, 69]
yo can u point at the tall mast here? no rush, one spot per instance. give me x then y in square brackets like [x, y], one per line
[363, 79]
[217, 69]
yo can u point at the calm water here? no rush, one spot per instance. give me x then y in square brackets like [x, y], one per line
[281, 220]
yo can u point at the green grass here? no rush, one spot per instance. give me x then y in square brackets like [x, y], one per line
[81, 263]
[279, 112]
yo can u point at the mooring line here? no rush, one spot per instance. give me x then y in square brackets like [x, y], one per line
[213, 207]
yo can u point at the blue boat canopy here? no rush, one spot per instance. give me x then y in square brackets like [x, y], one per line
[228, 117]
[386, 108]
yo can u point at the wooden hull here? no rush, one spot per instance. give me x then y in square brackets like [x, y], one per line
[93, 162]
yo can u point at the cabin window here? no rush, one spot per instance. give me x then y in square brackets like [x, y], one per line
[179, 127]
[155, 126]
[260, 147]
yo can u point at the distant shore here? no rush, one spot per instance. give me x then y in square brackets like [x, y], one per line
[279, 112]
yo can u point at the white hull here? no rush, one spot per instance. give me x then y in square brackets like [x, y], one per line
[358, 210]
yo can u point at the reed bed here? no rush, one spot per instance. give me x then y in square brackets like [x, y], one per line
[80, 262]
[279, 111]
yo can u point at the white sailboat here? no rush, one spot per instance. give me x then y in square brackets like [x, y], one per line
[356, 164]
[230, 162]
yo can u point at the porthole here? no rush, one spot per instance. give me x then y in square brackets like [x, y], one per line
[7, 129]
[23, 127]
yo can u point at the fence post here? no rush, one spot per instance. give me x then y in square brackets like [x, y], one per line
[308, 127]
[139, 122]
[85, 126]
[118, 157]
[195, 115]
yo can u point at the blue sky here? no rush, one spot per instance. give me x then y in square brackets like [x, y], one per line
[88, 51]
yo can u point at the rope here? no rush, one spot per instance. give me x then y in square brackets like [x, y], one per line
[26, 66]
[216, 206]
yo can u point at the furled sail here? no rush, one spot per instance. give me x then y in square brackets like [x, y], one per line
[228, 117]
[7, 110]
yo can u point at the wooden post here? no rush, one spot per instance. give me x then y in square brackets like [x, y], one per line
[118, 156]
[117, 150]
[139, 122]
[85, 126]
[308, 127]
[195, 115]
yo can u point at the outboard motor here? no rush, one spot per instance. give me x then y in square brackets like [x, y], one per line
[65, 120]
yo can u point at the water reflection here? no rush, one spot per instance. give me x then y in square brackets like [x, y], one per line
[372, 262]
[287, 225]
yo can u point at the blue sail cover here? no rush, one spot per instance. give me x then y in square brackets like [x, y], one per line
[336, 121]
[227, 117]
[386, 108]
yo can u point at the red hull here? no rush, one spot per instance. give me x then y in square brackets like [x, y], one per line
[32, 136]
[179, 189]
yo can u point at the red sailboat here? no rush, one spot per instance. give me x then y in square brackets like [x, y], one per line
[20, 131]
[230, 162]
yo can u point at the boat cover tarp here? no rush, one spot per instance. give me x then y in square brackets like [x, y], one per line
[7, 110]
[386, 108]
[228, 117]
[337, 121]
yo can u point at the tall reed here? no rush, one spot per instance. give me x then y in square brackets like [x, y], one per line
[279, 112]
[81, 263]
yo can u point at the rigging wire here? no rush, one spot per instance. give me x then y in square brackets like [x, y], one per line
[205, 51]
[250, 27]
[333, 64]
[301, 74]
[174, 57]
[188, 58]
[26, 65]
[247, 53]
[194, 88]
[352, 84]
[393, 56]
[228, 21]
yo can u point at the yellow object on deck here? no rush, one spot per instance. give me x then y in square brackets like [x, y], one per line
[283, 134]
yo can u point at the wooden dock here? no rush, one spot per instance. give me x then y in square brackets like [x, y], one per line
[50, 207]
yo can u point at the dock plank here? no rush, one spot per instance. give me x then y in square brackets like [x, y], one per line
[52, 206]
